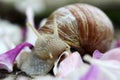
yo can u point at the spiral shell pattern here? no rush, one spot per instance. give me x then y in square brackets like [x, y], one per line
[84, 27]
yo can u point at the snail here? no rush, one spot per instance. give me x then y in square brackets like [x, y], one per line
[79, 27]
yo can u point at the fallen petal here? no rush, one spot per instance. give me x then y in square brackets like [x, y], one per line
[109, 69]
[69, 64]
[118, 43]
[9, 35]
[103, 63]
[92, 74]
[113, 54]
[97, 54]
[78, 72]
[7, 59]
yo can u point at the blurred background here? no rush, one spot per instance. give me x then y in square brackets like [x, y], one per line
[14, 10]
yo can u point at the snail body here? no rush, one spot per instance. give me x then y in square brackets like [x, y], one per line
[46, 51]
[81, 27]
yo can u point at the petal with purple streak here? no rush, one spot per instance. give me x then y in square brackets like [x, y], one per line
[7, 59]
[118, 43]
[92, 73]
[97, 54]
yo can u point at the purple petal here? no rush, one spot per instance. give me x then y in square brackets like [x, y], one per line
[7, 59]
[92, 74]
[118, 43]
[97, 54]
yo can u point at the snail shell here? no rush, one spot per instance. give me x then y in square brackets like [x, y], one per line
[84, 27]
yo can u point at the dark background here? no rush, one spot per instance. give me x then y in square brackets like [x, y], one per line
[110, 7]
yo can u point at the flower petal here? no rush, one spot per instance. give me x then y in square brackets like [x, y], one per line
[113, 54]
[97, 54]
[118, 43]
[69, 64]
[92, 74]
[109, 69]
[78, 72]
[7, 59]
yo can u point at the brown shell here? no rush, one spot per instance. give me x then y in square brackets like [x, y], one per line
[84, 27]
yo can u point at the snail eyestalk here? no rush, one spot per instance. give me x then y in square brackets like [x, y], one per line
[35, 31]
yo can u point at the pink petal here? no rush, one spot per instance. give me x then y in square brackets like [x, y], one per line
[69, 64]
[97, 54]
[92, 74]
[113, 54]
[109, 69]
[118, 43]
[7, 59]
